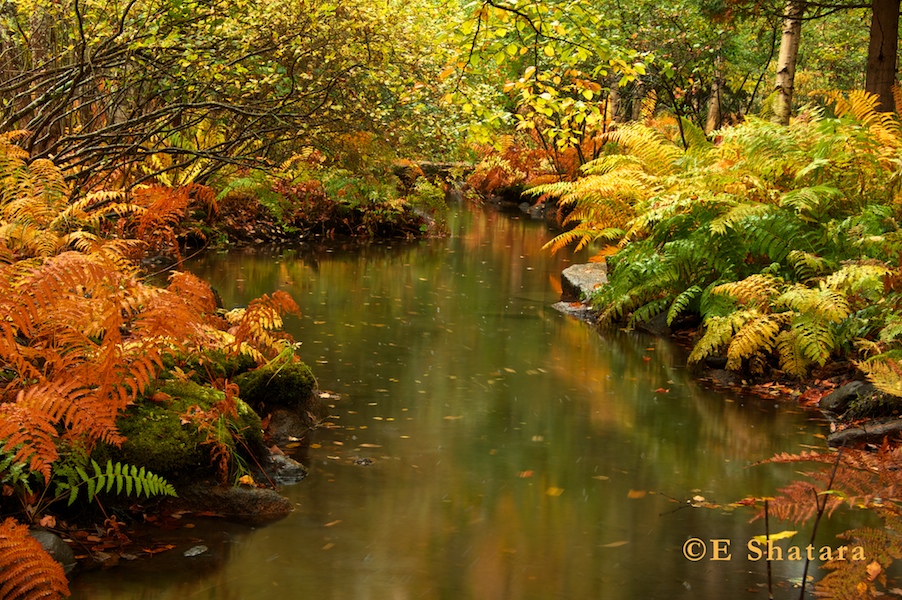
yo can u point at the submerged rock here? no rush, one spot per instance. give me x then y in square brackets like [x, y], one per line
[254, 506]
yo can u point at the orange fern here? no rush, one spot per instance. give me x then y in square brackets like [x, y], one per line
[861, 479]
[859, 579]
[254, 327]
[29, 573]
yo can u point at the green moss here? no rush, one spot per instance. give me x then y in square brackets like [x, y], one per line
[211, 365]
[160, 438]
[288, 385]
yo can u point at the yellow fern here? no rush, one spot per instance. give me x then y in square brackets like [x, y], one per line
[753, 290]
[755, 337]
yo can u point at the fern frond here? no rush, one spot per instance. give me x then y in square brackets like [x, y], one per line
[253, 326]
[884, 372]
[736, 215]
[813, 201]
[755, 337]
[681, 303]
[823, 304]
[122, 476]
[718, 333]
[851, 579]
[792, 360]
[753, 290]
[807, 265]
[29, 573]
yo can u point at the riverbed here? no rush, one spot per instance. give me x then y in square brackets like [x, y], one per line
[483, 445]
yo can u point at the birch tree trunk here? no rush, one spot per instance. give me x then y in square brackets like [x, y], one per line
[786, 63]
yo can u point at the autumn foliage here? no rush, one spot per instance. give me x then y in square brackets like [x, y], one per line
[83, 337]
[28, 572]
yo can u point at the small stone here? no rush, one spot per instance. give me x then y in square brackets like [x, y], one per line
[195, 551]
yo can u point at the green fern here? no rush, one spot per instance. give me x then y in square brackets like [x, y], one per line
[682, 302]
[102, 480]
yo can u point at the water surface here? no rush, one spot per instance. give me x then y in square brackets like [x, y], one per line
[515, 452]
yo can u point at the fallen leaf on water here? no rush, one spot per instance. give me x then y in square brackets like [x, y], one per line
[311, 445]
[874, 569]
[328, 546]
[296, 444]
[600, 477]
[636, 494]
[158, 549]
[762, 539]
[524, 474]
[369, 446]
[662, 391]
[330, 524]
[453, 417]
[554, 491]
[615, 544]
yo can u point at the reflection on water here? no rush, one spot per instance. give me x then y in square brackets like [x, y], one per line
[516, 454]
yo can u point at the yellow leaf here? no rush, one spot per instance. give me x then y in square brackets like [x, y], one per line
[636, 494]
[615, 544]
[548, 50]
[246, 480]
[762, 539]
[554, 491]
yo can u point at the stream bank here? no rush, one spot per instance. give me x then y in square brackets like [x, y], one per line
[858, 413]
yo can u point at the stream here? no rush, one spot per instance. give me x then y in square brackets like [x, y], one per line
[484, 446]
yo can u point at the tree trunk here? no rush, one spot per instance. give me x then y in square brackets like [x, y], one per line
[715, 115]
[786, 63]
[882, 51]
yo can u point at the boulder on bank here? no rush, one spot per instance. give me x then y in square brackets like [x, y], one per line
[579, 282]
[285, 393]
[163, 435]
[839, 400]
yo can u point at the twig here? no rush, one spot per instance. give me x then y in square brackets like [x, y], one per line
[770, 581]
[817, 519]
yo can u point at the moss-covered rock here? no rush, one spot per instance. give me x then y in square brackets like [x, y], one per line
[211, 365]
[163, 437]
[286, 385]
